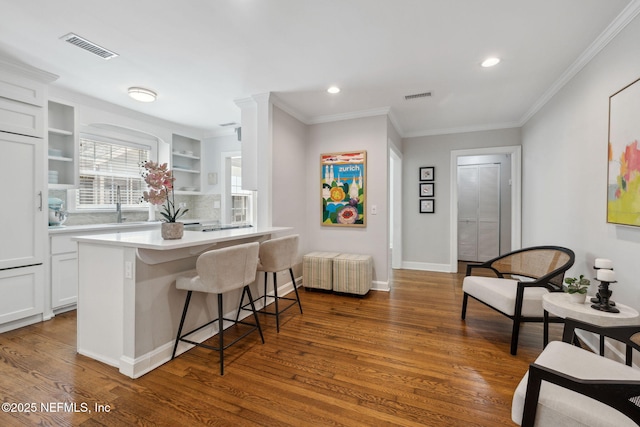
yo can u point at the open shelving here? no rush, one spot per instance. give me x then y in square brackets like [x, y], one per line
[186, 164]
[61, 146]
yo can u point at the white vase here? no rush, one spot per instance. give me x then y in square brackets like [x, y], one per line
[578, 298]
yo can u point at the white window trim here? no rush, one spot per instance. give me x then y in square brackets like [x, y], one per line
[72, 193]
[225, 182]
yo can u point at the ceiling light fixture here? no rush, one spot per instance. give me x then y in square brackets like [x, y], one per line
[333, 89]
[490, 62]
[142, 94]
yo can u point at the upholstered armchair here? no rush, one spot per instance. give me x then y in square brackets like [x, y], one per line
[569, 386]
[514, 283]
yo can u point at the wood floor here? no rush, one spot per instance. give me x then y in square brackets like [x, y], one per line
[392, 358]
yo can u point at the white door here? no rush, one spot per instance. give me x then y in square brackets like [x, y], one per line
[21, 170]
[478, 212]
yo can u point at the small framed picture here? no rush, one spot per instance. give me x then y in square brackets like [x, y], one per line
[426, 189]
[427, 205]
[427, 173]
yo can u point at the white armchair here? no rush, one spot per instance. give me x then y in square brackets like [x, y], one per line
[519, 280]
[569, 386]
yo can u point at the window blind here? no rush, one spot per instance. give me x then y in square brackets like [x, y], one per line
[105, 166]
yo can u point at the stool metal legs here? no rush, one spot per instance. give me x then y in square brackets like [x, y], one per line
[275, 297]
[221, 345]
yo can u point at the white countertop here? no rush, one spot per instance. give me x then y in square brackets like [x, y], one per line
[151, 239]
[61, 229]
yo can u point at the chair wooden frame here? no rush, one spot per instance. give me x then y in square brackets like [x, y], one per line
[620, 395]
[500, 266]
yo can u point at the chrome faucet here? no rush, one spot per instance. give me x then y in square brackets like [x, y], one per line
[118, 206]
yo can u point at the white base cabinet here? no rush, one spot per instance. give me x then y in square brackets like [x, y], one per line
[64, 280]
[22, 296]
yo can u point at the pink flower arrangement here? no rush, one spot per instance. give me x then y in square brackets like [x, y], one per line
[160, 181]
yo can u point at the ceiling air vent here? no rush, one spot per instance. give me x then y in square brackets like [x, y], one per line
[417, 95]
[85, 44]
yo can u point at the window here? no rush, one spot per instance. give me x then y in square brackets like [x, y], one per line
[106, 165]
[240, 199]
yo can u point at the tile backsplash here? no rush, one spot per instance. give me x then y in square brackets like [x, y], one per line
[200, 207]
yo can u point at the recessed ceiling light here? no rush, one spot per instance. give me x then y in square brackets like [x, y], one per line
[333, 89]
[490, 62]
[142, 94]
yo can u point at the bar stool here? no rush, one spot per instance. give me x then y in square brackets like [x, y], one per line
[218, 272]
[276, 255]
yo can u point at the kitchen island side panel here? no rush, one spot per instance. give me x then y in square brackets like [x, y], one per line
[100, 313]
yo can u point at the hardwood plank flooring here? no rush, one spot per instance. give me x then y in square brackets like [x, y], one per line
[398, 358]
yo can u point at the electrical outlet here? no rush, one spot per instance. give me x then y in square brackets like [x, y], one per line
[128, 270]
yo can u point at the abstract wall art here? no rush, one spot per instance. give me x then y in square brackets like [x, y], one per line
[623, 186]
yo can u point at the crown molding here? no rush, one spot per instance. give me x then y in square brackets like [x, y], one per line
[350, 115]
[462, 129]
[618, 24]
[290, 111]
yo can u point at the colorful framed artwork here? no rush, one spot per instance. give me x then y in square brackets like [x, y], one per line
[427, 205]
[343, 183]
[427, 173]
[623, 186]
[427, 189]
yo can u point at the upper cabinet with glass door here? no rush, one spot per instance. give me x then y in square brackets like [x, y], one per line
[62, 152]
[186, 164]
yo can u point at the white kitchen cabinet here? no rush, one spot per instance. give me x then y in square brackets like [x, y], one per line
[62, 147]
[22, 296]
[64, 261]
[22, 170]
[64, 281]
[186, 164]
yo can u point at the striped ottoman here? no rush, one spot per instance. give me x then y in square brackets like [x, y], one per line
[352, 273]
[317, 270]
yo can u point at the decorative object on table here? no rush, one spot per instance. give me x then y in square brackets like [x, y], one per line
[602, 264]
[343, 188]
[427, 173]
[577, 288]
[427, 205]
[603, 303]
[427, 189]
[624, 170]
[160, 181]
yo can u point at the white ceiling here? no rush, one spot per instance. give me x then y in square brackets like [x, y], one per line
[201, 55]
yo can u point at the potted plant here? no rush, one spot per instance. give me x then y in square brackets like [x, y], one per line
[160, 181]
[577, 288]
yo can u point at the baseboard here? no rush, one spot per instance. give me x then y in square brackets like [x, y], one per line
[380, 286]
[426, 266]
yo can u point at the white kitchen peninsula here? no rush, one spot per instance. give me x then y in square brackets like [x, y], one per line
[128, 306]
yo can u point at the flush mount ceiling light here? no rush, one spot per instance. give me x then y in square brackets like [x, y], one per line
[490, 62]
[333, 89]
[142, 94]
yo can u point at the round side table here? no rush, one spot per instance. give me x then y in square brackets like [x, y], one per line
[560, 304]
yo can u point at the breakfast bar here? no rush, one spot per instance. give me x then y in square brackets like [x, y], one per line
[128, 305]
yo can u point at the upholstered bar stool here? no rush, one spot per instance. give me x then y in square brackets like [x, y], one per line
[218, 272]
[277, 255]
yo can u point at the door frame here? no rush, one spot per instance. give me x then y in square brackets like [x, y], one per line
[516, 196]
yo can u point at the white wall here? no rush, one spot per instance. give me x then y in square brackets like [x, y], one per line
[289, 196]
[368, 134]
[213, 147]
[426, 237]
[565, 169]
